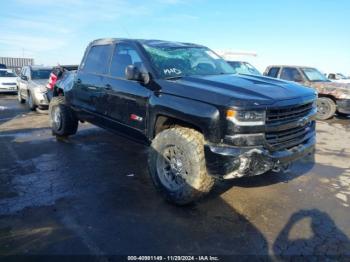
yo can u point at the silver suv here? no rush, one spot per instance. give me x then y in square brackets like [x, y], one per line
[31, 85]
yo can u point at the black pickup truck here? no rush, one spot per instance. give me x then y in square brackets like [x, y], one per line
[201, 120]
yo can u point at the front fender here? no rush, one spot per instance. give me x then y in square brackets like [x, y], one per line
[204, 116]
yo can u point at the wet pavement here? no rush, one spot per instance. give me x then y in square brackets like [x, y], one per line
[92, 194]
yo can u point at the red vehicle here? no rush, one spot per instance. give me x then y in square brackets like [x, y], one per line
[56, 75]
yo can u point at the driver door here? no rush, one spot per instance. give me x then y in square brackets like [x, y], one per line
[125, 100]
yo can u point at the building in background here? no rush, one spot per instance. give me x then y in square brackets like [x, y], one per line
[16, 63]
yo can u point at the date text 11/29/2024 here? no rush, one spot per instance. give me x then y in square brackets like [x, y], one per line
[173, 258]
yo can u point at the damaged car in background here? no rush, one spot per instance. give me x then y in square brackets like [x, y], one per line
[56, 76]
[332, 97]
[201, 120]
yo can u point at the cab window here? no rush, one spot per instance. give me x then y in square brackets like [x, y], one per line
[123, 56]
[273, 72]
[291, 74]
[97, 60]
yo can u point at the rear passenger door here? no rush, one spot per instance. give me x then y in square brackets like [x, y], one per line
[89, 84]
[126, 101]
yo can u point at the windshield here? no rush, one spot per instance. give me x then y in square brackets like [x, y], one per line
[244, 68]
[341, 76]
[41, 73]
[173, 62]
[4, 73]
[314, 75]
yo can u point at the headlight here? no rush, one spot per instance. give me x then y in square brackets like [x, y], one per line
[246, 118]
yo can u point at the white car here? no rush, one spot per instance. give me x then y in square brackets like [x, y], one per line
[8, 81]
[337, 77]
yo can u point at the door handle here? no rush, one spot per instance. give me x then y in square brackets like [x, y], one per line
[108, 87]
[92, 87]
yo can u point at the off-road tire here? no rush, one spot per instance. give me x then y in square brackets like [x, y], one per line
[31, 104]
[191, 145]
[19, 97]
[68, 123]
[326, 108]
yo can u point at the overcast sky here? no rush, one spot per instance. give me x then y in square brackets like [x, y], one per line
[314, 32]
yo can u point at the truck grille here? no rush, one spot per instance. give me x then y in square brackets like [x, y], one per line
[288, 114]
[289, 138]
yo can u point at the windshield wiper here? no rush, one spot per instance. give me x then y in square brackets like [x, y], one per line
[173, 77]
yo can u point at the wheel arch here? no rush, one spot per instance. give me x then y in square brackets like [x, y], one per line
[328, 96]
[167, 111]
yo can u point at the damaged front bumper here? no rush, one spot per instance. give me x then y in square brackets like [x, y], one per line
[232, 162]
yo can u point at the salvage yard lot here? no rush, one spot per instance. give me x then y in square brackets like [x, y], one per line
[92, 194]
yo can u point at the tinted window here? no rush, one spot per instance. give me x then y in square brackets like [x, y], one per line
[273, 72]
[97, 60]
[291, 74]
[123, 56]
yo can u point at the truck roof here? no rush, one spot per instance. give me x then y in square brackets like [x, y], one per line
[297, 66]
[149, 42]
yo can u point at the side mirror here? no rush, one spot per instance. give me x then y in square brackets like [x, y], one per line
[133, 73]
[24, 78]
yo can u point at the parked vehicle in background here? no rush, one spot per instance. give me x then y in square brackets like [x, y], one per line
[338, 77]
[3, 66]
[55, 76]
[32, 86]
[8, 81]
[244, 68]
[201, 119]
[332, 97]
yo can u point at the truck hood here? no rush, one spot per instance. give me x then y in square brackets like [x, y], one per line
[235, 90]
[337, 90]
[333, 85]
